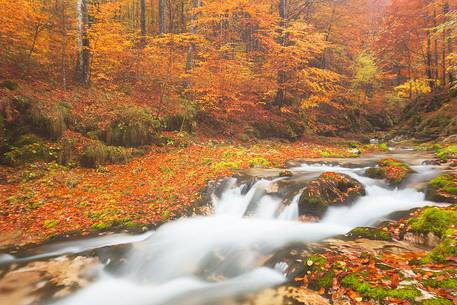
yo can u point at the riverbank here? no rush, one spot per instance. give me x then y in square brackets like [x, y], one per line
[407, 259]
[45, 200]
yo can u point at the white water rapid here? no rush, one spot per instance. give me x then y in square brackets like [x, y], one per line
[204, 259]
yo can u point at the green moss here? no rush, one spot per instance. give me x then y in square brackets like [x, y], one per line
[437, 301]
[450, 283]
[443, 188]
[449, 152]
[226, 165]
[316, 262]
[101, 226]
[259, 161]
[393, 170]
[383, 147]
[326, 281]
[363, 287]
[50, 223]
[445, 249]
[329, 189]
[369, 233]
[433, 220]
[396, 171]
[376, 173]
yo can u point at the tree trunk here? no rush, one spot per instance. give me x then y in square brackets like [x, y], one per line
[281, 78]
[435, 51]
[82, 64]
[449, 42]
[428, 57]
[64, 47]
[190, 52]
[161, 16]
[152, 20]
[143, 22]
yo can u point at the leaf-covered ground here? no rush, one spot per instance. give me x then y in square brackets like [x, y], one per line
[42, 200]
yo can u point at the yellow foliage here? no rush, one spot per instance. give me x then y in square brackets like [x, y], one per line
[413, 88]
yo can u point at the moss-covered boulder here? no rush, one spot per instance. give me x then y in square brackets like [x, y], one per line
[443, 188]
[369, 233]
[433, 220]
[394, 171]
[329, 189]
[447, 153]
[444, 251]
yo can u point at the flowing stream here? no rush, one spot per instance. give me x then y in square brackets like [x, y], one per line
[204, 259]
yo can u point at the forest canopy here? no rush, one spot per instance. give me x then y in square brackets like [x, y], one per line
[229, 58]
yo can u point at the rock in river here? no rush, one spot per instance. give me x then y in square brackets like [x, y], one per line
[329, 189]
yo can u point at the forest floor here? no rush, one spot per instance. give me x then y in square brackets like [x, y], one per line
[44, 200]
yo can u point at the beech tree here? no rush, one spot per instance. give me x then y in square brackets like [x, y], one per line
[82, 64]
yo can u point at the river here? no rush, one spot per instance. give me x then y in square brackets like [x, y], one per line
[205, 259]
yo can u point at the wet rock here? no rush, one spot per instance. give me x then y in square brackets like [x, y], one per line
[394, 171]
[369, 233]
[286, 173]
[374, 141]
[429, 239]
[443, 188]
[431, 162]
[430, 226]
[280, 296]
[329, 189]
[37, 281]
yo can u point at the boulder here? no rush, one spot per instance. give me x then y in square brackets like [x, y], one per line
[394, 171]
[369, 233]
[329, 189]
[443, 188]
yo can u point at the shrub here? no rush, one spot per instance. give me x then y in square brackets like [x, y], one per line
[131, 126]
[97, 153]
[28, 148]
[49, 121]
[8, 84]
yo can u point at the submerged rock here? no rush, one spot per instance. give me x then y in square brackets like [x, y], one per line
[329, 189]
[280, 296]
[37, 281]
